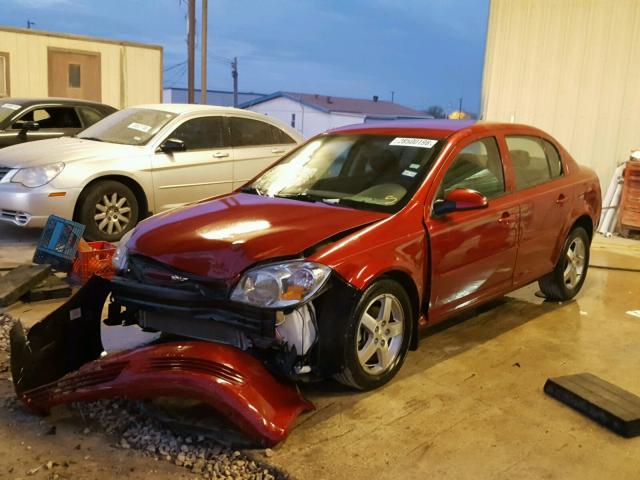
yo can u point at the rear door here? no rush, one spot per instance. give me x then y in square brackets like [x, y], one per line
[545, 202]
[203, 170]
[256, 145]
[473, 253]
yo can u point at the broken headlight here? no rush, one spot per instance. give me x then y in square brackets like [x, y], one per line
[281, 285]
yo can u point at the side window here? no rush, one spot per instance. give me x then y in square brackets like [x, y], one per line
[279, 136]
[53, 117]
[201, 133]
[477, 167]
[246, 132]
[89, 116]
[534, 160]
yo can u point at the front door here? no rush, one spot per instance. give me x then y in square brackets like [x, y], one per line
[473, 253]
[204, 169]
[54, 121]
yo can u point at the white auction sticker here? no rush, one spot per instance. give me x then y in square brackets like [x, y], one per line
[413, 142]
[11, 106]
[409, 173]
[141, 127]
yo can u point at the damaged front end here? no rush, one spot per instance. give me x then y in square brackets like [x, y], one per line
[61, 360]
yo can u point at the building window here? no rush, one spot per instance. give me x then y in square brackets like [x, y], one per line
[4, 74]
[74, 75]
[293, 120]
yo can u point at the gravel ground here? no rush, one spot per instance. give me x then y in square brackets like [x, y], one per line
[125, 422]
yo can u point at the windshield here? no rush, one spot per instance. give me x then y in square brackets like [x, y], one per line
[8, 110]
[363, 171]
[132, 126]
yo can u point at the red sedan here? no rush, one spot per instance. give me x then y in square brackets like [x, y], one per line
[331, 262]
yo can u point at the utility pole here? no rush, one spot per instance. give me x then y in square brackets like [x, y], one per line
[460, 108]
[191, 44]
[234, 74]
[203, 46]
[30, 24]
[393, 94]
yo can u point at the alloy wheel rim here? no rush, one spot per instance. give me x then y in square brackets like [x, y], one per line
[380, 334]
[112, 213]
[574, 263]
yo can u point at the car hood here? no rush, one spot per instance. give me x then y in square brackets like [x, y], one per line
[220, 238]
[63, 149]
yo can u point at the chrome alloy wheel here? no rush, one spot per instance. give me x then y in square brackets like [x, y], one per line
[112, 213]
[575, 263]
[380, 334]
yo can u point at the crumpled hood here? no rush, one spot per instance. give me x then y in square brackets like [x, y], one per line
[63, 149]
[220, 238]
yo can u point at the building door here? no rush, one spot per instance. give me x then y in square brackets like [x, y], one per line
[74, 74]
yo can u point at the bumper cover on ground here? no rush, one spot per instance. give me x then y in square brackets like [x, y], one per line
[58, 362]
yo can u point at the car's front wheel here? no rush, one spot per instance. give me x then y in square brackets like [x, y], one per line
[108, 209]
[377, 336]
[569, 274]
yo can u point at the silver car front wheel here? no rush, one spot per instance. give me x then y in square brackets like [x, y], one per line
[112, 214]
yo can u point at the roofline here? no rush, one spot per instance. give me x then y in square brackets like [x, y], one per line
[215, 91]
[84, 38]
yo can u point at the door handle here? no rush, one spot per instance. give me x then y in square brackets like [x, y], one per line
[277, 150]
[561, 199]
[220, 155]
[505, 218]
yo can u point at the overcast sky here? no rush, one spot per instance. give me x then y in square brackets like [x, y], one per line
[427, 51]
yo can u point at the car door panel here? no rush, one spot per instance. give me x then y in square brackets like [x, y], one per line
[473, 253]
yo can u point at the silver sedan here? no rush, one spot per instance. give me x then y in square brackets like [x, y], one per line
[135, 162]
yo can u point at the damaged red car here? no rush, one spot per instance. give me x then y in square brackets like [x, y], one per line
[332, 261]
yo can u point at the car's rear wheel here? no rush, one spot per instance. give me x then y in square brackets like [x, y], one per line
[108, 210]
[377, 336]
[569, 274]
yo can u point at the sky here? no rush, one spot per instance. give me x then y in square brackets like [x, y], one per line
[429, 52]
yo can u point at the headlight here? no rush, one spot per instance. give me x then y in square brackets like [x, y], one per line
[37, 176]
[281, 285]
[120, 259]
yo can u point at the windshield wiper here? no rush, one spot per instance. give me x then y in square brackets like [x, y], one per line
[304, 197]
[252, 190]
[95, 139]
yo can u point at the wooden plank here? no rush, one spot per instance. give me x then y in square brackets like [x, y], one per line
[609, 405]
[51, 287]
[19, 281]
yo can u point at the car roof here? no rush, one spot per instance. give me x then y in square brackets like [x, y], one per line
[428, 128]
[180, 108]
[26, 102]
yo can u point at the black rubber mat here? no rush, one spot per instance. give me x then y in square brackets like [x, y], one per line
[609, 405]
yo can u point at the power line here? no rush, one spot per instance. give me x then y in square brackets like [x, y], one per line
[175, 66]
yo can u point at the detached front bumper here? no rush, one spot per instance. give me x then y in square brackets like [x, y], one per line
[30, 207]
[60, 361]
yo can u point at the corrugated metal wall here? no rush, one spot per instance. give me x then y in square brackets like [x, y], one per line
[570, 67]
[131, 74]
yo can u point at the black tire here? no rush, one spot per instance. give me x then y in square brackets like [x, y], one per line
[97, 198]
[555, 285]
[362, 377]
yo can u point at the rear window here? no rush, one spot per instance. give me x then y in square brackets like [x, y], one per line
[534, 160]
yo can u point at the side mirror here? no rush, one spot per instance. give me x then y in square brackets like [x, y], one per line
[26, 125]
[458, 200]
[171, 145]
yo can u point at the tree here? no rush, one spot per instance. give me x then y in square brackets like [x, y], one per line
[436, 111]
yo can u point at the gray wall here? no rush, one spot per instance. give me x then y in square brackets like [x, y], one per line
[214, 97]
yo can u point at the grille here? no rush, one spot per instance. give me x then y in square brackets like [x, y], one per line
[19, 218]
[3, 171]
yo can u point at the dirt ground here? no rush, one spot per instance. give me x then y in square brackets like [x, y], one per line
[468, 404]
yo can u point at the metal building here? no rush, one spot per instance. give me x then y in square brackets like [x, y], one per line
[223, 98]
[571, 67]
[40, 64]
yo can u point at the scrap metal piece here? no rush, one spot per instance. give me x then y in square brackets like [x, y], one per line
[59, 361]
